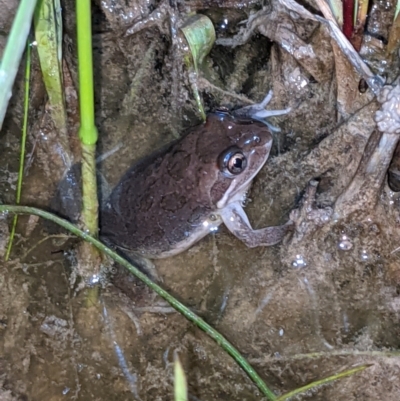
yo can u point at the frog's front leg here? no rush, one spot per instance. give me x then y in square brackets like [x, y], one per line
[238, 224]
[258, 112]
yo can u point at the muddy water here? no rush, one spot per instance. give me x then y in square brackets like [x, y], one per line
[325, 300]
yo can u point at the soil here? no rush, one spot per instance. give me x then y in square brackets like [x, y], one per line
[325, 300]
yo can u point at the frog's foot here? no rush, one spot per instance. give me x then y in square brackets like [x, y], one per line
[308, 217]
[237, 222]
[257, 112]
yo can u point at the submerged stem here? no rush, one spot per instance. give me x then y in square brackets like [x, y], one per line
[185, 311]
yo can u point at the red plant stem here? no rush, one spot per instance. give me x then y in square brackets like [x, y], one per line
[348, 12]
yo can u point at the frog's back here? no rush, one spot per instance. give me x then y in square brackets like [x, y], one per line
[162, 200]
[167, 202]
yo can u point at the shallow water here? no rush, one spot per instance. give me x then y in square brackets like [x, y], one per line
[331, 291]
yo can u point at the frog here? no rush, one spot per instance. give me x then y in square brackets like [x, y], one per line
[170, 200]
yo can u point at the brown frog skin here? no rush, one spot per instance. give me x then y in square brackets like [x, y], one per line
[172, 199]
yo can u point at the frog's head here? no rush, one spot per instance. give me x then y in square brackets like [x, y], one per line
[237, 150]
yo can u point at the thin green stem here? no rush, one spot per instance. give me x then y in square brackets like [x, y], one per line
[317, 383]
[343, 352]
[87, 130]
[13, 52]
[220, 339]
[23, 144]
[90, 257]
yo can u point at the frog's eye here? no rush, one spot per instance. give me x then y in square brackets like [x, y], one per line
[232, 162]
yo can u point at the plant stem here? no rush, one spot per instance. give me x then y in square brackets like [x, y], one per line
[87, 130]
[90, 203]
[23, 144]
[90, 258]
[185, 311]
[348, 15]
[360, 18]
[317, 383]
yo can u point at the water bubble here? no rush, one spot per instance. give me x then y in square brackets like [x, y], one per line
[44, 136]
[281, 332]
[94, 279]
[326, 217]
[345, 244]
[299, 262]
[364, 255]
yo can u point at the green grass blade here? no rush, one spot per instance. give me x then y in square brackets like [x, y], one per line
[185, 311]
[180, 384]
[13, 52]
[48, 31]
[337, 10]
[23, 144]
[317, 383]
